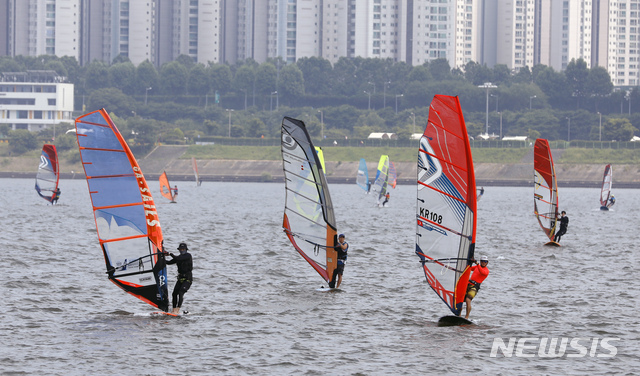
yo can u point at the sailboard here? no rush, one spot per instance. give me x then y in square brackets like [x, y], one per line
[393, 178]
[165, 188]
[545, 192]
[194, 165]
[309, 219]
[362, 178]
[446, 202]
[381, 182]
[126, 220]
[605, 192]
[48, 175]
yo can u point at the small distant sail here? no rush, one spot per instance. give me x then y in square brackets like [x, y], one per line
[321, 158]
[165, 187]
[309, 220]
[48, 175]
[125, 214]
[362, 179]
[194, 164]
[446, 202]
[545, 192]
[382, 174]
[393, 178]
[605, 192]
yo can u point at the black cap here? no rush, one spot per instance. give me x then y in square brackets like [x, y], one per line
[183, 246]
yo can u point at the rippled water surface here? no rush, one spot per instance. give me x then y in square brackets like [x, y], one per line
[254, 305]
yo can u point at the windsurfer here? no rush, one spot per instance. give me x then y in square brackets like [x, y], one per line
[564, 223]
[184, 262]
[56, 196]
[342, 248]
[612, 200]
[386, 198]
[480, 273]
[175, 191]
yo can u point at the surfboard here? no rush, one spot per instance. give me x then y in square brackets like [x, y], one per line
[157, 313]
[327, 289]
[553, 244]
[454, 321]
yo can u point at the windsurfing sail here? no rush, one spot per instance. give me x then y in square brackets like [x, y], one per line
[393, 178]
[382, 174]
[362, 179]
[194, 164]
[48, 175]
[165, 187]
[321, 158]
[446, 202]
[125, 214]
[545, 192]
[309, 220]
[605, 192]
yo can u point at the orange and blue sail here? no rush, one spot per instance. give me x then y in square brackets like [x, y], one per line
[309, 220]
[446, 202]
[48, 175]
[545, 189]
[165, 187]
[125, 214]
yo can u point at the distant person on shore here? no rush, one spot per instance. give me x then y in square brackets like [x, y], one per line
[564, 223]
[479, 274]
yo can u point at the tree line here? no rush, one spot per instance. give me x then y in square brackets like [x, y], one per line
[183, 101]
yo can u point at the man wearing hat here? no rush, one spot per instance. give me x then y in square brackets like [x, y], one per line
[480, 272]
[342, 248]
[185, 266]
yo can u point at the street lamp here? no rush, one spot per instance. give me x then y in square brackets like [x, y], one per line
[145, 94]
[600, 127]
[321, 124]
[271, 102]
[398, 95]
[229, 112]
[369, 94]
[487, 86]
[628, 96]
[530, 98]
[568, 129]
[374, 86]
[500, 113]
[414, 123]
[496, 95]
[384, 102]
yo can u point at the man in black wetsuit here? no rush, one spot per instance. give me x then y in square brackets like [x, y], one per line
[185, 266]
[342, 248]
[564, 222]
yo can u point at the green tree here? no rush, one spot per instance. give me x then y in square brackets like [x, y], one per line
[291, 83]
[220, 77]
[316, 71]
[122, 77]
[554, 85]
[256, 128]
[58, 67]
[598, 83]
[419, 74]
[21, 141]
[146, 77]
[501, 74]
[440, 69]
[174, 78]
[66, 142]
[266, 78]
[97, 75]
[617, 129]
[113, 100]
[198, 82]
[577, 73]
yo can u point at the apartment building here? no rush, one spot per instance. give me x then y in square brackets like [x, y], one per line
[35, 100]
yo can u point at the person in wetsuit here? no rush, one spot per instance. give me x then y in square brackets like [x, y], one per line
[55, 197]
[386, 199]
[342, 248]
[480, 273]
[564, 223]
[185, 266]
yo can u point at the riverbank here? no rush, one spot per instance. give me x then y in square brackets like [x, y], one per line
[487, 174]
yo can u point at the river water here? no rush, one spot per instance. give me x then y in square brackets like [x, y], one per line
[254, 305]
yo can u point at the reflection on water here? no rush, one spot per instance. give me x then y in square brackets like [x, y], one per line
[255, 308]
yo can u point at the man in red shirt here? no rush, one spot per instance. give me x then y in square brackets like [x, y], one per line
[480, 272]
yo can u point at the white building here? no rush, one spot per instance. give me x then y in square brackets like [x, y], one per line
[35, 100]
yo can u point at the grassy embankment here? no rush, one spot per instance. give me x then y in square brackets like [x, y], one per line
[353, 154]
